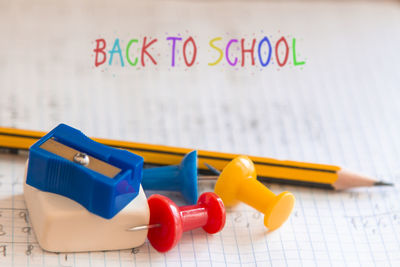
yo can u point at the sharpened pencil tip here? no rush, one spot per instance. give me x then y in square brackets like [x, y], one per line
[382, 183]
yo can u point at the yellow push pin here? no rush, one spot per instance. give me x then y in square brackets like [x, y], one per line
[238, 182]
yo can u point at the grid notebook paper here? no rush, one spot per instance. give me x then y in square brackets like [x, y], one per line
[342, 107]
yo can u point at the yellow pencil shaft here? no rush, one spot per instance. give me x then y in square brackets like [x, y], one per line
[166, 155]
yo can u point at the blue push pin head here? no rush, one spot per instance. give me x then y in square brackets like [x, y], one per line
[181, 178]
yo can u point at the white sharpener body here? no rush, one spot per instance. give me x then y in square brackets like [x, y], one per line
[63, 225]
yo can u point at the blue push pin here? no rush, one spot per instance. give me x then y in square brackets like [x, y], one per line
[181, 178]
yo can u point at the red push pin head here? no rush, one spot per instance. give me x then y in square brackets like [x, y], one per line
[172, 220]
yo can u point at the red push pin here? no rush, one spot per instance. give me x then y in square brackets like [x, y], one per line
[168, 221]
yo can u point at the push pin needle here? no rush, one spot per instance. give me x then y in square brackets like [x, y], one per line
[144, 227]
[211, 168]
[168, 221]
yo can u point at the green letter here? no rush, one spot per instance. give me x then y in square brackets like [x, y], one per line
[127, 52]
[294, 55]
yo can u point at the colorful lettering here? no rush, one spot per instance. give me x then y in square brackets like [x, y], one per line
[174, 39]
[265, 39]
[295, 62]
[190, 39]
[281, 64]
[227, 52]
[251, 51]
[233, 47]
[116, 49]
[221, 53]
[100, 50]
[144, 51]
[127, 52]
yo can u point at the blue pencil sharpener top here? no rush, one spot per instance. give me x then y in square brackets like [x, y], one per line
[100, 178]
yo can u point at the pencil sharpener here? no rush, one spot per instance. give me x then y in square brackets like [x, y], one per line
[100, 178]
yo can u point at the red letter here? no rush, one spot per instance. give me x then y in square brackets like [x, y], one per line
[100, 50]
[251, 51]
[145, 46]
[194, 51]
[276, 52]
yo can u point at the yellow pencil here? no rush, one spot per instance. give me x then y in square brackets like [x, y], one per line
[268, 169]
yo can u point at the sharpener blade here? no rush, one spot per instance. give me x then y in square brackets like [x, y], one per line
[68, 153]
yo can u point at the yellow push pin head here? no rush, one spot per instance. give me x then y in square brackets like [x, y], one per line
[238, 182]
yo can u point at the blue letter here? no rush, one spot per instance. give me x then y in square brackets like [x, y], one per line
[259, 51]
[116, 49]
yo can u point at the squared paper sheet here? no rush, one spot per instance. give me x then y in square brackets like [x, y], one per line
[341, 108]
